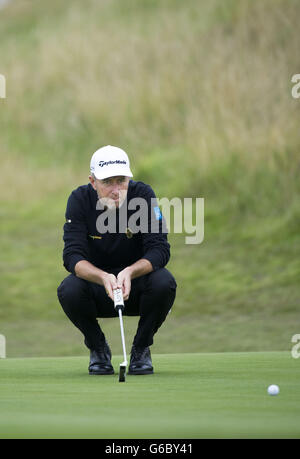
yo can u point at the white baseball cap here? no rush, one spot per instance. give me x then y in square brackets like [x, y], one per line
[110, 161]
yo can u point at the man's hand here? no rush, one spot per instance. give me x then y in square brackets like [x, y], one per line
[110, 284]
[85, 270]
[124, 282]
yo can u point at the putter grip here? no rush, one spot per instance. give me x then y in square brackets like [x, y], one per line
[118, 299]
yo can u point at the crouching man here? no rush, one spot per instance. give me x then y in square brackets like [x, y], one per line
[102, 257]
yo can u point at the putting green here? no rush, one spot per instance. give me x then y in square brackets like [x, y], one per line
[189, 396]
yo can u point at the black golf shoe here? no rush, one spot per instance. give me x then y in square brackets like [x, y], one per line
[100, 361]
[140, 361]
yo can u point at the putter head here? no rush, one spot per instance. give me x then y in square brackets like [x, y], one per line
[122, 372]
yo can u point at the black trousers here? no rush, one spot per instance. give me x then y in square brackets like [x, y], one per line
[151, 297]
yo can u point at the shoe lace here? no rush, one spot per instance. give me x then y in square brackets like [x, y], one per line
[103, 348]
[139, 353]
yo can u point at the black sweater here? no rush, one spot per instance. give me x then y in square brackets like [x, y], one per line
[110, 251]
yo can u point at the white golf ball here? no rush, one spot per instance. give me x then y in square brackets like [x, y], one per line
[273, 389]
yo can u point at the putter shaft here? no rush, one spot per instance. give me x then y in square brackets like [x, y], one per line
[119, 306]
[123, 338]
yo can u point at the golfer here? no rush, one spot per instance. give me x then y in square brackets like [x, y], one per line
[120, 255]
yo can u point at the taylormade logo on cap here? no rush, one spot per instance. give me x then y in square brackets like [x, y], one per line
[105, 163]
[110, 161]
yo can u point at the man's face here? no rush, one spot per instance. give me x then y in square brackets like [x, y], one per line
[112, 191]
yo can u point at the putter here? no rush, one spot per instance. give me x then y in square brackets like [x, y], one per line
[119, 306]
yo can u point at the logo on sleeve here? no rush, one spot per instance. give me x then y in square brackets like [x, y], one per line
[129, 233]
[157, 212]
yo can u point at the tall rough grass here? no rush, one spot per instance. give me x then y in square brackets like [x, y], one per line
[203, 80]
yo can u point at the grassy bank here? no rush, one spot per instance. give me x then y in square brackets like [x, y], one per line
[200, 97]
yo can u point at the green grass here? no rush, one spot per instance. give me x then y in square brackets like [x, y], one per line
[216, 395]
